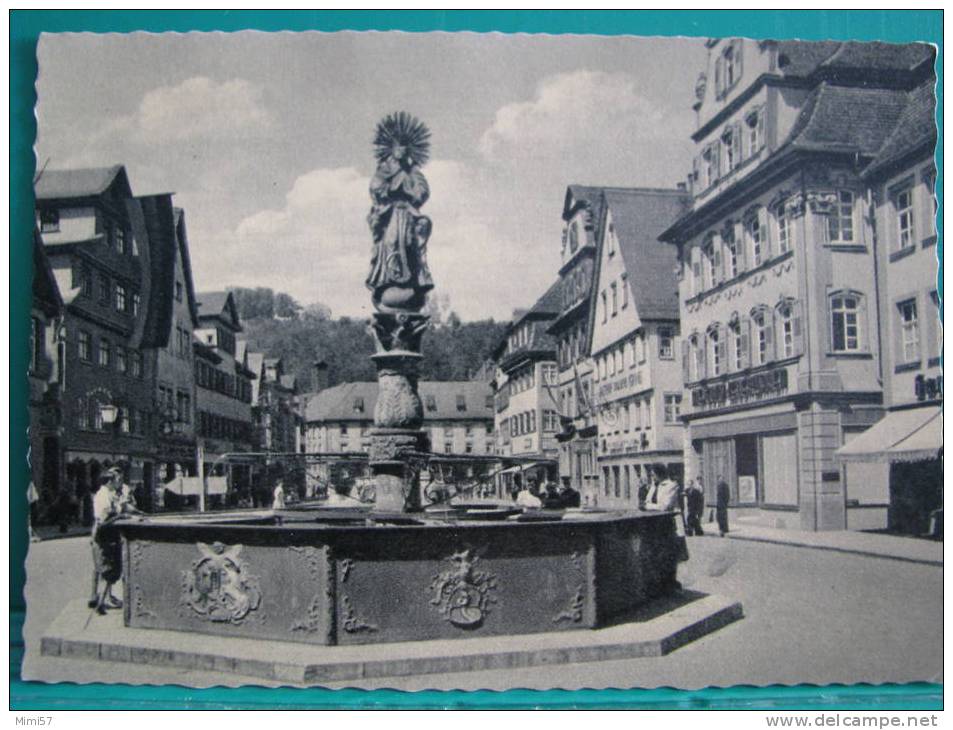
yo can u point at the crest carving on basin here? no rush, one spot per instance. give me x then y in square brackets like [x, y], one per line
[463, 595]
[218, 586]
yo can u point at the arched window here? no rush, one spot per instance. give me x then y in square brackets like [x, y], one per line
[715, 351]
[734, 253]
[783, 232]
[737, 343]
[788, 329]
[756, 235]
[847, 321]
[762, 336]
[710, 260]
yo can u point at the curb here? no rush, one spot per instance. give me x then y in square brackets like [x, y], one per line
[835, 549]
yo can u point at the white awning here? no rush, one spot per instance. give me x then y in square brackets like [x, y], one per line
[186, 486]
[915, 434]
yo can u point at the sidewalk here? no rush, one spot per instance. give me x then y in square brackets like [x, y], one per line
[893, 547]
[52, 532]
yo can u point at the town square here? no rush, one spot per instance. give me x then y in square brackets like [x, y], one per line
[572, 362]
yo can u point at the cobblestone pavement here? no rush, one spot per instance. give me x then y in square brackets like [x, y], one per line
[810, 616]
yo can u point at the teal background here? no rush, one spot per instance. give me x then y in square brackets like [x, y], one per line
[25, 27]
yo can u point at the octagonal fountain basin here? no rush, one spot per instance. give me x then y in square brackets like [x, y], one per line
[356, 580]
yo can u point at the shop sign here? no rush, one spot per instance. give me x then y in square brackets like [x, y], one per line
[612, 388]
[741, 389]
[928, 388]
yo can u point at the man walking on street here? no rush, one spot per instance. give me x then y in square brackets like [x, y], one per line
[694, 507]
[722, 497]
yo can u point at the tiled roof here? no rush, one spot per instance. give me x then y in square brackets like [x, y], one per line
[915, 127]
[211, 302]
[804, 58]
[547, 307]
[846, 118]
[77, 183]
[639, 217]
[338, 403]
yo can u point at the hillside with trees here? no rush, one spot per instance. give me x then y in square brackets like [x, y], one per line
[277, 325]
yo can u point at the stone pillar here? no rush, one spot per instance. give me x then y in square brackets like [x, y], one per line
[397, 433]
[822, 497]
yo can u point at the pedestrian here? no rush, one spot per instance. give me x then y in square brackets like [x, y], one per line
[643, 492]
[722, 498]
[694, 507]
[665, 495]
[278, 498]
[108, 506]
[529, 498]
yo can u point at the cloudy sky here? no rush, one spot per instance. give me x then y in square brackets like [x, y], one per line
[266, 141]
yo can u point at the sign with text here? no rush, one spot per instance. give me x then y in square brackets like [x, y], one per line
[740, 389]
[618, 387]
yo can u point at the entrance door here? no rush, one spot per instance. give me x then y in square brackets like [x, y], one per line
[779, 472]
[719, 463]
[746, 452]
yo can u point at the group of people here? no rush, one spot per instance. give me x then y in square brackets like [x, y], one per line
[545, 494]
[668, 495]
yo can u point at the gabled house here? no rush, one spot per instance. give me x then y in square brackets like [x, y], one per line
[635, 344]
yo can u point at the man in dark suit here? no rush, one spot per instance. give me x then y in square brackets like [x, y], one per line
[722, 498]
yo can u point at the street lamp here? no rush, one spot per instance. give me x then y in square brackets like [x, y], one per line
[108, 412]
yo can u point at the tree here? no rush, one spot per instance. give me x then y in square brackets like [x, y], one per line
[286, 307]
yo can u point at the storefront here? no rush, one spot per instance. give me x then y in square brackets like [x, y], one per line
[909, 442]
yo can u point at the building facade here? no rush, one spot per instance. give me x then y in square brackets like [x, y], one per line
[45, 378]
[581, 214]
[96, 238]
[223, 395]
[526, 382]
[778, 282]
[458, 417]
[174, 313]
[635, 345]
[895, 469]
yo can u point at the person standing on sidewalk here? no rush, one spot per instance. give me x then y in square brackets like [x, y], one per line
[694, 507]
[722, 498]
[109, 504]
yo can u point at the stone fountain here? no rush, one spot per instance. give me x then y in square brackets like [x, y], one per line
[395, 573]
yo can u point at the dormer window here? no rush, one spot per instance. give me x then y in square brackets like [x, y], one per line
[358, 405]
[49, 221]
[728, 68]
[431, 403]
[461, 402]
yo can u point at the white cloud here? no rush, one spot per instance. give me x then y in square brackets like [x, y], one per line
[317, 245]
[198, 108]
[573, 108]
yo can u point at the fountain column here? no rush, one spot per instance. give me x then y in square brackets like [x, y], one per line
[399, 281]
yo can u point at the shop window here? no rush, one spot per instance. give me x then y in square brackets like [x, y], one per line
[841, 220]
[909, 349]
[846, 320]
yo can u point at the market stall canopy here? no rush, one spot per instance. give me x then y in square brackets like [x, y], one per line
[908, 435]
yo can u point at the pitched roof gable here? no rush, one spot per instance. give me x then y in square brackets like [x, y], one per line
[80, 182]
[220, 304]
[915, 128]
[639, 216]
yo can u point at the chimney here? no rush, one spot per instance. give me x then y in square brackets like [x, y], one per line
[319, 376]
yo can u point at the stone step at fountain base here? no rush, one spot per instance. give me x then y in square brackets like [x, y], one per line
[656, 630]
